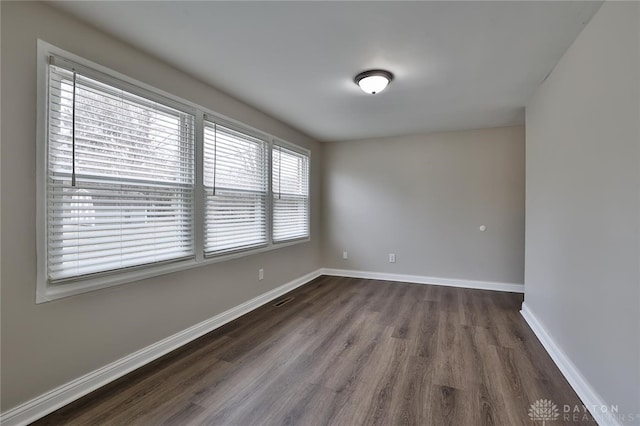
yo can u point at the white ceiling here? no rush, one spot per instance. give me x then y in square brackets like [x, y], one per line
[457, 65]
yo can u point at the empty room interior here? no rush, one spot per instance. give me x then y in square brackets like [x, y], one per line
[320, 213]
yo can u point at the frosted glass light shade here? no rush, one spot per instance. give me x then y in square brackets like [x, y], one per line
[373, 81]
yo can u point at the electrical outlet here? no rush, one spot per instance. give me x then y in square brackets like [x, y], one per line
[260, 274]
[392, 258]
[345, 255]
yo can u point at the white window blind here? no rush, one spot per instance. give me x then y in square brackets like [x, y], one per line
[290, 177]
[120, 178]
[236, 185]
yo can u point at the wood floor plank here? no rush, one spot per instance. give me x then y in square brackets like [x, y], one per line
[449, 406]
[411, 402]
[310, 408]
[347, 352]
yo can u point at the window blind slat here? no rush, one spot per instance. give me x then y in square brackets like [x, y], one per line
[235, 180]
[133, 160]
[290, 185]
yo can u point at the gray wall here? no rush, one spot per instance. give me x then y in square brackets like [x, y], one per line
[423, 197]
[46, 345]
[582, 244]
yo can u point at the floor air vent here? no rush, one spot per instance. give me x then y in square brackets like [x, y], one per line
[283, 301]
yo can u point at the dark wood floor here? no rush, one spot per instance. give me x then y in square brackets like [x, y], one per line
[346, 352]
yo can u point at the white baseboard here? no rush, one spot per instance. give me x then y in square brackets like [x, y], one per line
[419, 279]
[69, 392]
[590, 398]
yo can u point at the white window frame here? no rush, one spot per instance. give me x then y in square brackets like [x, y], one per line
[268, 221]
[279, 142]
[46, 292]
[108, 80]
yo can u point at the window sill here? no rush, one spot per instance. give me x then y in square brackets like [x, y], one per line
[54, 292]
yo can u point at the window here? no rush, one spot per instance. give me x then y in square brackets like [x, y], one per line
[290, 194]
[236, 186]
[134, 182]
[120, 178]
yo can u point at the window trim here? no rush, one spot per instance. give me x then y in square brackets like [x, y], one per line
[46, 292]
[299, 150]
[100, 79]
[267, 146]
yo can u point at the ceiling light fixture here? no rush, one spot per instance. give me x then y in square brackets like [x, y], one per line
[373, 81]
